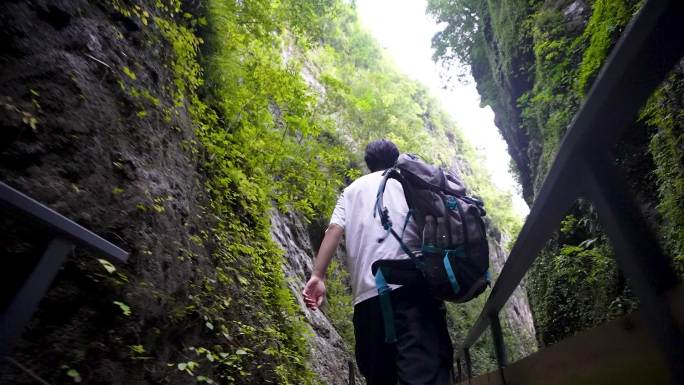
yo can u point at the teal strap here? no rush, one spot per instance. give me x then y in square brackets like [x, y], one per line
[386, 307]
[450, 272]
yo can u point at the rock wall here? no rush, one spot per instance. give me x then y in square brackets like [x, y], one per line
[89, 127]
[517, 314]
[329, 356]
[90, 156]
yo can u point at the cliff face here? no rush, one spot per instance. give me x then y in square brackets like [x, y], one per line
[534, 62]
[91, 127]
[330, 356]
[88, 154]
[516, 315]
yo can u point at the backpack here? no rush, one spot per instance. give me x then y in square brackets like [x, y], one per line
[457, 269]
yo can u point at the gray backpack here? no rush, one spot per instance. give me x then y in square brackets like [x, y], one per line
[454, 270]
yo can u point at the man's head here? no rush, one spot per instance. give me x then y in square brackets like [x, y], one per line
[381, 154]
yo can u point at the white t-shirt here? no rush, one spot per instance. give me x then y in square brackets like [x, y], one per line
[354, 212]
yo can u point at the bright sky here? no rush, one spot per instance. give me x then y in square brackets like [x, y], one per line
[405, 31]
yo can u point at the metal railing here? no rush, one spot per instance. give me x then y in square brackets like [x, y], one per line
[66, 235]
[650, 47]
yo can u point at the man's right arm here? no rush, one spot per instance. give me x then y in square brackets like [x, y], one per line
[314, 291]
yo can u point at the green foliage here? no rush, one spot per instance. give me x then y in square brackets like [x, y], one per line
[339, 306]
[528, 38]
[371, 100]
[608, 17]
[547, 109]
[575, 282]
[665, 111]
[271, 121]
[566, 60]
[125, 309]
[461, 33]
[257, 142]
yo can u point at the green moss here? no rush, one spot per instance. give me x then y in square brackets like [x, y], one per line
[608, 18]
[566, 62]
[239, 144]
[547, 109]
[665, 112]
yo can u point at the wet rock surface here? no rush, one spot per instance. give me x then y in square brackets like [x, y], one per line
[73, 137]
[329, 356]
[516, 313]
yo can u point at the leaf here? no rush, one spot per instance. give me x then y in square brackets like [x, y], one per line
[74, 374]
[241, 352]
[124, 308]
[129, 73]
[587, 243]
[107, 265]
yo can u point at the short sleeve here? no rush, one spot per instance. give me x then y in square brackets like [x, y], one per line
[338, 217]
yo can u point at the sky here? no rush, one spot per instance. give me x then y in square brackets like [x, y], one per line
[404, 30]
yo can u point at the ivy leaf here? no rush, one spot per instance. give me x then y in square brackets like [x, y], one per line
[74, 374]
[124, 308]
[107, 265]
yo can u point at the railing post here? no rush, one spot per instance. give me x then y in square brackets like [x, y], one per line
[459, 369]
[499, 344]
[469, 364]
[25, 303]
[639, 256]
[352, 376]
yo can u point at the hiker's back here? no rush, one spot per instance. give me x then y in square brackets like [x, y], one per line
[354, 212]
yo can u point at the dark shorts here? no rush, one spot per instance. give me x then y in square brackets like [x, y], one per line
[422, 354]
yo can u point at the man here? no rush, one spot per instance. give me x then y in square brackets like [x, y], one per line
[423, 352]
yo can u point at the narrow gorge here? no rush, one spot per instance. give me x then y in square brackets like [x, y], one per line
[210, 140]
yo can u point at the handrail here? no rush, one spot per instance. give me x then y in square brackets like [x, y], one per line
[66, 235]
[649, 48]
[65, 226]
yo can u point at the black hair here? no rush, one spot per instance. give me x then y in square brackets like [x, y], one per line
[381, 155]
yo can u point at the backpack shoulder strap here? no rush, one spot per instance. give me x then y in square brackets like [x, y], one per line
[381, 210]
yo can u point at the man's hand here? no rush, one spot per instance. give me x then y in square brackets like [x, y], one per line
[314, 292]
